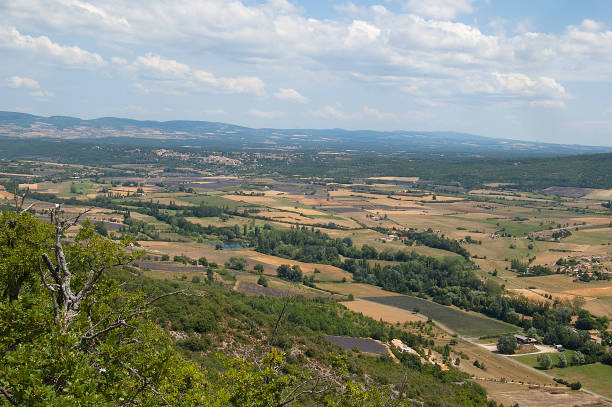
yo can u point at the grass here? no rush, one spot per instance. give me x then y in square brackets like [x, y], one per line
[595, 377]
[464, 323]
[532, 360]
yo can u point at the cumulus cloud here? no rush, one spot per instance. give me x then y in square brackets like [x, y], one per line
[161, 66]
[290, 95]
[11, 38]
[422, 49]
[22, 82]
[152, 66]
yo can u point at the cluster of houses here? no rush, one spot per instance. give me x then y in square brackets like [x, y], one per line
[590, 266]
[393, 238]
[211, 159]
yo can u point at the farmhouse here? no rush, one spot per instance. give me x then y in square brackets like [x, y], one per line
[402, 347]
[525, 340]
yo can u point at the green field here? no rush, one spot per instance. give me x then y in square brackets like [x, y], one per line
[464, 323]
[595, 377]
[532, 360]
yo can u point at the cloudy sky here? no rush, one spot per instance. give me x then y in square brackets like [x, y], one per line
[534, 70]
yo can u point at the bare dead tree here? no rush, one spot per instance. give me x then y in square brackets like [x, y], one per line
[281, 314]
[19, 200]
[66, 302]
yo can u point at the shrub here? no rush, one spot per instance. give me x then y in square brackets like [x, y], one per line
[262, 281]
[562, 361]
[545, 361]
[575, 386]
[236, 263]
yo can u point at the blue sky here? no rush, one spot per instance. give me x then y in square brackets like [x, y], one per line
[532, 70]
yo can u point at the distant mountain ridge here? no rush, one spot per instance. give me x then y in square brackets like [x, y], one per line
[215, 135]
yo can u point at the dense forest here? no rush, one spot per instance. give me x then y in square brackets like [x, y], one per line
[524, 173]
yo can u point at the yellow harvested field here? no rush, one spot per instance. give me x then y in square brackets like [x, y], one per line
[599, 307]
[381, 311]
[261, 200]
[28, 186]
[6, 195]
[592, 292]
[602, 194]
[286, 217]
[530, 294]
[132, 189]
[405, 179]
[327, 271]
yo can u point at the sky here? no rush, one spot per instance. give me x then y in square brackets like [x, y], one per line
[529, 70]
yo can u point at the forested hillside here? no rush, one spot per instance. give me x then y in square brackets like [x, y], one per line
[80, 326]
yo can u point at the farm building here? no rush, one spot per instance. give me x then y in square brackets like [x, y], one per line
[525, 340]
[402, 347]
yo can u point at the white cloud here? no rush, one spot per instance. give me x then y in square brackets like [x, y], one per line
[118, 61]
[152, 66]
[11, 38]
[242, 84]
[361, 33]
[422, 51]
[330, 112]
[520, 84]
[265, 114]
[22, 82]
[378, 114]
[440, 9]
[290, 95]
[162, 67]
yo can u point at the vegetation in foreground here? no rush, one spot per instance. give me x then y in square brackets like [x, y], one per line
[80, 328]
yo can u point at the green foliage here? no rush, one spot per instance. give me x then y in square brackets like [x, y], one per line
[22, 241]
[88, 357]
[545, 361]
[507, 344]
[291, 273]
[262, 281]
[236, 263]
[578, 358]
[101, 229]
[562, 361]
